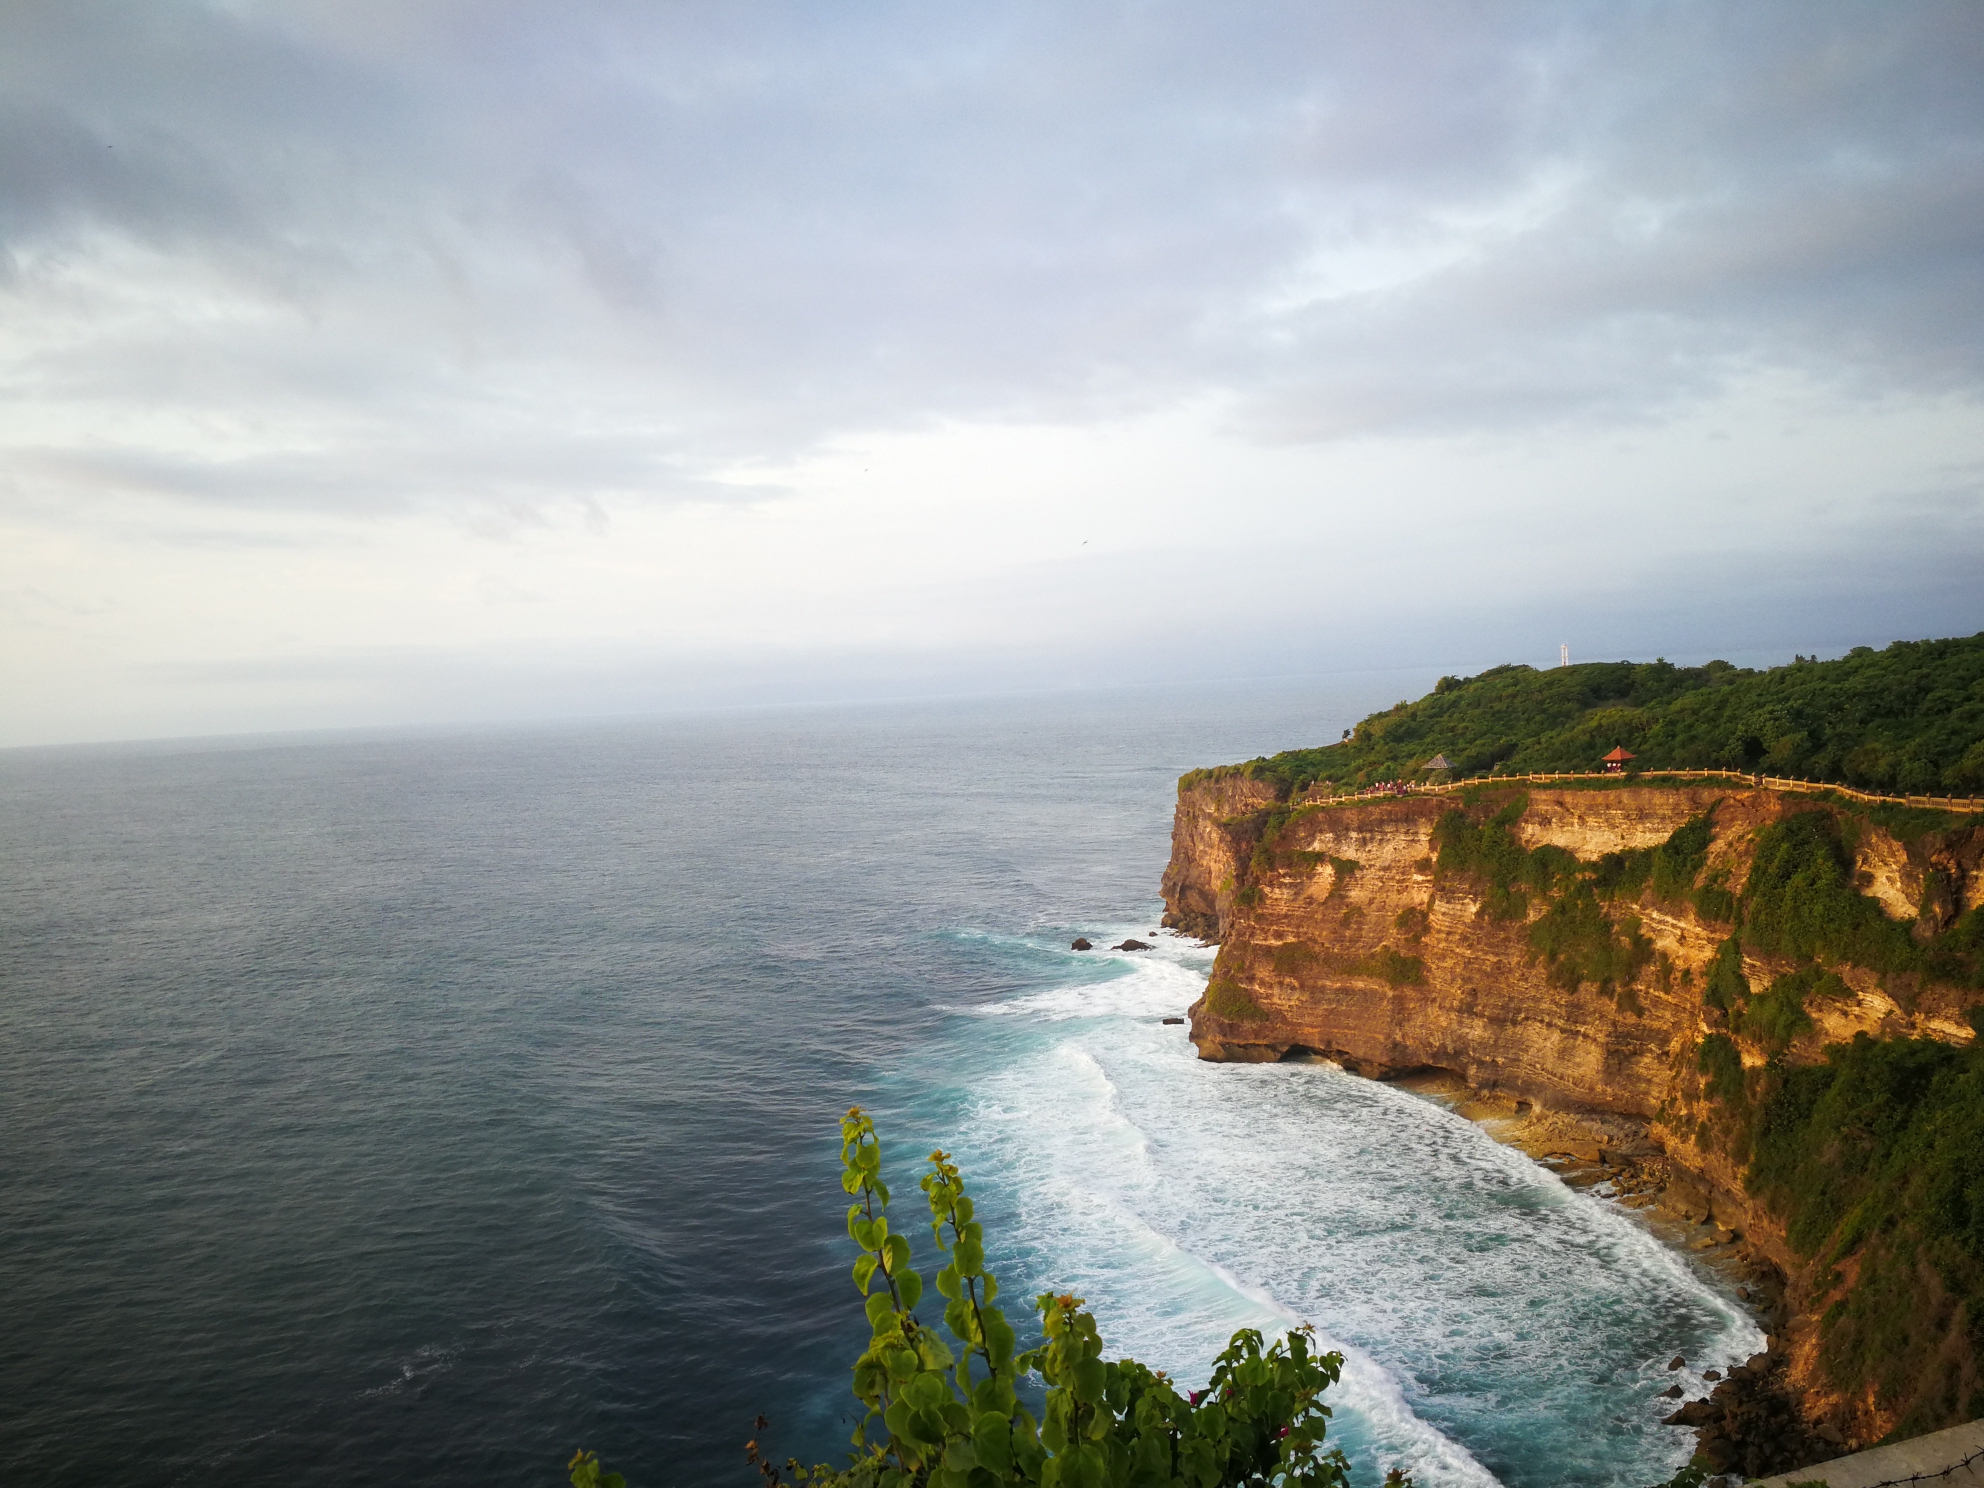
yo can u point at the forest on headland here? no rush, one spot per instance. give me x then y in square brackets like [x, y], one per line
[1905, 720]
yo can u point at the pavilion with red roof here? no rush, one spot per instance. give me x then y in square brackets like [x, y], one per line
[1616, 760]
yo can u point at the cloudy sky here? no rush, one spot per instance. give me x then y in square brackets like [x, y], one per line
[396, 362]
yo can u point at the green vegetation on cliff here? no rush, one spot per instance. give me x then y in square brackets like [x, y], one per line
[1575, 937]
[1873, 1159]
[1800, 900]
[1906, 720]
[1874, 1162]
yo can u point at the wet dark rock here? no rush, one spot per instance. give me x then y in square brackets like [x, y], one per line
[1677, 1362]
[1711, 1374]
[1174, 1020]
[1082, 943]
[1694, 1413]
[1130, 945]
[1750, 1424]
[1672, 1392]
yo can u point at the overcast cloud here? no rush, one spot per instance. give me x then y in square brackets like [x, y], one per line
[368, 363]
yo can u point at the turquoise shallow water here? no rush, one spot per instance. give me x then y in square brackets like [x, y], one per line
[429, 1106]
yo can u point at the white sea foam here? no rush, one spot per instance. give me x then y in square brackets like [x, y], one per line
[1490, 1317]
[1162, 981]
[1081, 1165]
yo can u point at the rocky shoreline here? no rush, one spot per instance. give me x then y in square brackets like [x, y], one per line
[1750, 1424]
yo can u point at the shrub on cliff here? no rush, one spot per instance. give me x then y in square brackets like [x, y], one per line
[1874, 1160]
[1578, 943]
[1779, 1016]
[1721, 1065]
[1725, 986]
[1799, 900]
[948, 1414]
[1230, 1001]
[1490, 852]
[1393, 967]
[1678, 861]
[1671, 868]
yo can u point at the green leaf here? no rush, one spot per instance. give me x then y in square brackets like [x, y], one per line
[1088, 1381]
[879, 1309]
[935, 1354]
[864, 1272]
[992, 1440]
[910, 1285]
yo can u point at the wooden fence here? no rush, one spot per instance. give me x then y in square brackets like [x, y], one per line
[1765, 782]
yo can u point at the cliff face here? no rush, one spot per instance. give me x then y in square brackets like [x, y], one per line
[1341, 934]
[1215, 829]
[1343, 939]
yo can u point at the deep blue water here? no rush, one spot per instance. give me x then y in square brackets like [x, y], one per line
[422, 1108]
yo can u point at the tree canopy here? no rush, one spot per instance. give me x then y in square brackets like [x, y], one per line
[1908, 719]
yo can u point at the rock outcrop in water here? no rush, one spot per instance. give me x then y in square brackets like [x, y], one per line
[1573, 951]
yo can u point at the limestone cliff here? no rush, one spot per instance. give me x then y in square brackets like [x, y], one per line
[1357, 930]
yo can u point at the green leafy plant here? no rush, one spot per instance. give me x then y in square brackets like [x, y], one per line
[949, 1415]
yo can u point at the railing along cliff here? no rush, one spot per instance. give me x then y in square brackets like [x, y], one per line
[1765, 782]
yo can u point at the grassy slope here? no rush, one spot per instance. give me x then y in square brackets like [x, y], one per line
[1909, 719]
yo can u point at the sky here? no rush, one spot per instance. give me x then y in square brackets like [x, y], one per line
[430, 363]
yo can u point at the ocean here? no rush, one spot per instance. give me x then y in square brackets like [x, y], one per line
[427, 1106]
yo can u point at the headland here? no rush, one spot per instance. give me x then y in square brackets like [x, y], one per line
[1747, 1005]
